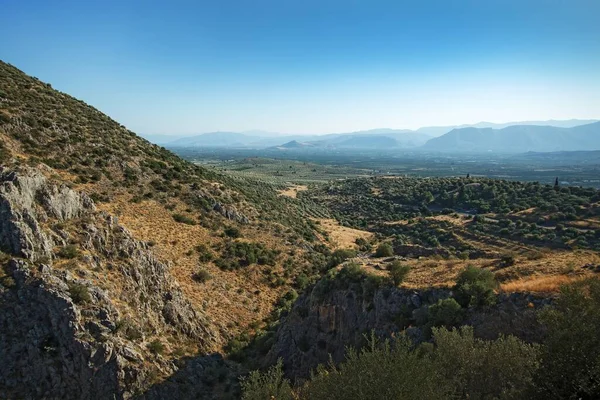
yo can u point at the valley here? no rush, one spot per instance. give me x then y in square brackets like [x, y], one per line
[130, 271]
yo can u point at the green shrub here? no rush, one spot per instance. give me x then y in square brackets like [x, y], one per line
[507, 260]
[202, 276]
[457, 366]
[339, 256]
[378, 372]
[363, 244]
[570, 360]
[480, 369]
[204, 253]
[475, 287]
[69, 251]
[384, 250]
[398, 272]
[232, 232]
[241, 254]
[156, 347]
[302, 281]
[446, 312]
[79, 293]
[8, 281]
[183, 219]
[270, 385]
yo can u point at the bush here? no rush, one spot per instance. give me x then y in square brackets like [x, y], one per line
[232, 232]
[445, 313]
[507, 260]
[339, 256]
[398, 272]
[362, 244]
[156, 347]
[202, 276]
[570, 360]
[270, 385]
[378, 372]
[69, 251]
[183, 219]
[242, 254]
[475, 287]
[302, 281]
[458, 366]
[480, 369]
[79, 293]
[384, 250]
[204, 253]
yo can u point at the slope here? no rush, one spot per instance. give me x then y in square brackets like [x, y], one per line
[155, 258]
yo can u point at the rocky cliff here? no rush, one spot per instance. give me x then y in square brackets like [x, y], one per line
[86, 311]
[323, 323]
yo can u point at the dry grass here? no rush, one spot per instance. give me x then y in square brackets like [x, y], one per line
[540, 284]
[292, 191]
[232, 300]
[342, 236]
[544, 274]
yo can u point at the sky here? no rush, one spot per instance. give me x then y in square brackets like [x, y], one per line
[291, 66]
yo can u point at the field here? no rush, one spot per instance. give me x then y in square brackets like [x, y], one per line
[572, 168]
[441, 213]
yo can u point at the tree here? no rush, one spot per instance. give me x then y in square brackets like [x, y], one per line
[570, 360]
[475, 287]
[384, 250]
[398, 272]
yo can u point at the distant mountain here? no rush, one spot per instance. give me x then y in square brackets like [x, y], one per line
[441, 130]
[377, 138]
[294, 144]
[518, 139]
[381, 138]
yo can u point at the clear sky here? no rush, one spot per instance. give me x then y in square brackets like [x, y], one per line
[304, 66]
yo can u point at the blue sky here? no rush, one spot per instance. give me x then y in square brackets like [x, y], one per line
[312, 66]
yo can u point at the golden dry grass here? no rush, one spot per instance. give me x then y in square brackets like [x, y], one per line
[232, 300]
[341, 236]
[540, 284]
[292, 191]
[545, 274]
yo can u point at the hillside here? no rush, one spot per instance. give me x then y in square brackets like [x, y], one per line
[518, 139]
[155, 258]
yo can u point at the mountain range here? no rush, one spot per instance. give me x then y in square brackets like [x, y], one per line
[519, 139]
[540, 136]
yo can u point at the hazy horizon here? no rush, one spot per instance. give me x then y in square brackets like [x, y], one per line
[260, 132]
[313, 67]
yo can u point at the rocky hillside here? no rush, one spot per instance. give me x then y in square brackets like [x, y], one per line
[343, 309]
[118, 259]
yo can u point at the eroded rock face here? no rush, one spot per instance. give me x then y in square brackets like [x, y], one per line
[82, 332]
[25, 201]
[323, 325]
[319, 327]
[43, 344]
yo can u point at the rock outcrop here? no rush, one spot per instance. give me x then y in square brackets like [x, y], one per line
[80, 326]
[321, 326]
